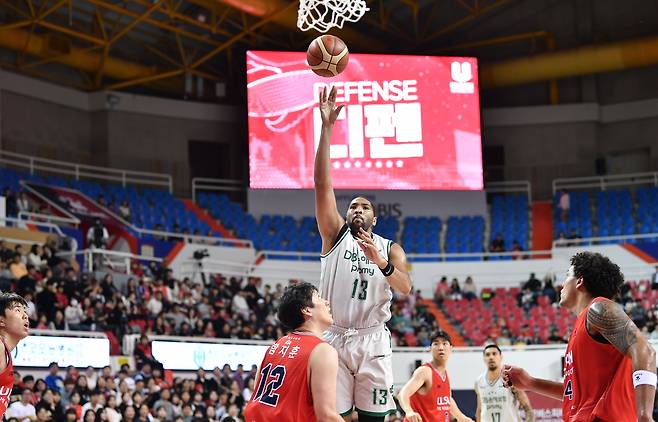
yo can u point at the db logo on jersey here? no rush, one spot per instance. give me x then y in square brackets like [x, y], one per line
[461, 74]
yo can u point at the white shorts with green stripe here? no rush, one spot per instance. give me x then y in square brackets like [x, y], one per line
[365, 370]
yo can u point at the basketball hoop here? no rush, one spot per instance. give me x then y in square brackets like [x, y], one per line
[322, 15]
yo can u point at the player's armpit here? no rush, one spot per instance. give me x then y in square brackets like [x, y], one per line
[524, 402]
[418, 380]
[400, 279]
[323, 370]
[609, 319]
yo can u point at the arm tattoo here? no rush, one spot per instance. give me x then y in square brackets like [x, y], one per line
[524, 403]
[611, 321]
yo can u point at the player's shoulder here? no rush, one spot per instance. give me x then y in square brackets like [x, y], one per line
[423, 371]
[602, 307]
[322, 353]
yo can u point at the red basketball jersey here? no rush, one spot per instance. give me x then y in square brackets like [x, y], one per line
[6, 382]
[597, 379]
[283, 392]
[434, 405]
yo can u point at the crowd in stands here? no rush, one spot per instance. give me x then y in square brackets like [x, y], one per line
[532, 299]
[146, 395]
[155, 303]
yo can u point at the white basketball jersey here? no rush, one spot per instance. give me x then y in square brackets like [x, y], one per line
[497, 403]
[359, 295]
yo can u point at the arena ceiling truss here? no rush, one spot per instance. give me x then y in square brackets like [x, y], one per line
[153, 44]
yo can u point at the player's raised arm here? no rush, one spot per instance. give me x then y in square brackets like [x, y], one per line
[609, 319]
[422, 375]
[326, 212]
[323, 367]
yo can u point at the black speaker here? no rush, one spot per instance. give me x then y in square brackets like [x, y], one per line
[600, 167]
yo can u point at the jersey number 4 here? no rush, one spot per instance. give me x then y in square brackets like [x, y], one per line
[271, 379]
[568, 391]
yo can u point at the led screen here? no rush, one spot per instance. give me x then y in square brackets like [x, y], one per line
[409, 122]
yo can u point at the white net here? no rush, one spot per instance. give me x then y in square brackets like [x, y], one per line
[322, 15]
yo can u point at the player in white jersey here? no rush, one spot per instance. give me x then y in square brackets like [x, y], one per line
[495, 403]
[359, 269]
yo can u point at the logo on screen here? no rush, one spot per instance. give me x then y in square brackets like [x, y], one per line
[391, 128]
[462, 75]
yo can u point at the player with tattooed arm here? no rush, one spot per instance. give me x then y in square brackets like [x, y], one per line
[609, 367]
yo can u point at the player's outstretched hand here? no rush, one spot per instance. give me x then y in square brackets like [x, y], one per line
[413, 417]
[517, 377]
[328, 110]
[367, 244]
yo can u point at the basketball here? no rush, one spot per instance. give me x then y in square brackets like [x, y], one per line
[327, 55]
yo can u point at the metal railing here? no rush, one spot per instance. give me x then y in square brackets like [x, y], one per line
[84, 171]
[106, 258]
[192, 238]
[510, 186]
[21, 223]
[47, 218]
[265, 254]
[66, 333]
[218, 185]
[191, 268]
[560, 243]
[604, 182]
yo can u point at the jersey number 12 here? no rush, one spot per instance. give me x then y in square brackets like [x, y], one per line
[271, 379]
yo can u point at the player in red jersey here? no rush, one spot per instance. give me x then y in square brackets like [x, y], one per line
[14, 327]
[427, 395]
[609, 367]
[297, 379]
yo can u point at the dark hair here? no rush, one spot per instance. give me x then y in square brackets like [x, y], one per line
[492, 346]
[51, 364]
[372, 204]
[442, 335]
[601, 276]
[10, 301]
[294, 299]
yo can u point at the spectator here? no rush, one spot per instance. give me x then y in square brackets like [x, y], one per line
[23, 204]
[455, 290]
[23, 410]
[164, 403]
[71, 415]
[573, 236]
[564, 204]
[11, 207]
[73, 315]
[17, 267]
[95, 402]
[34, 257]
[549, 291]
[124, 211]
[442, 290]
[97, 235]
[533, 284]
[54, 381]
[654, 279]
[517, 249]
[469, 290]
[498, 244]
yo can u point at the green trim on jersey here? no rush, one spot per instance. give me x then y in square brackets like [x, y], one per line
[341, 235]
[376, 414]
[349, 412]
